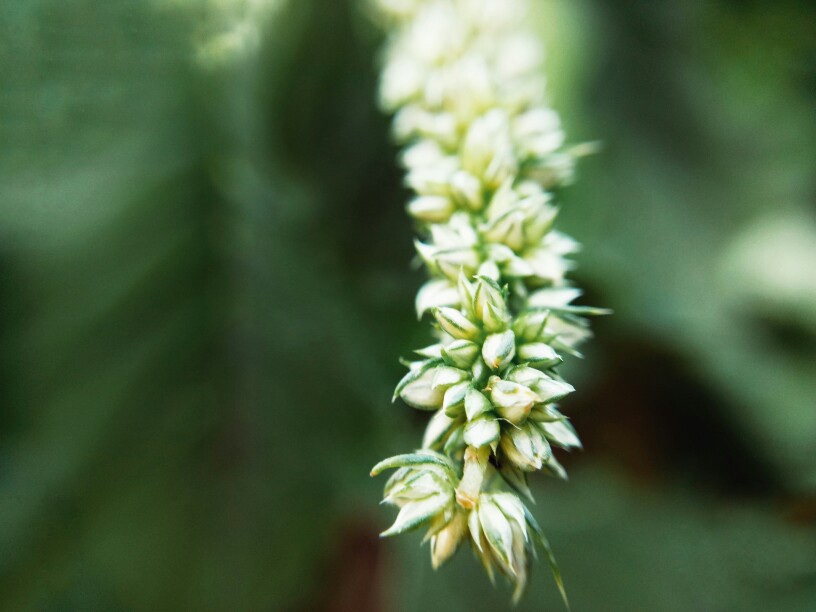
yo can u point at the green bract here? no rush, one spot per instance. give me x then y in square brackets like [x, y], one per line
[482, 154]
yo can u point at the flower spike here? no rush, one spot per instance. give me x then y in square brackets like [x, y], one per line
[483, 154]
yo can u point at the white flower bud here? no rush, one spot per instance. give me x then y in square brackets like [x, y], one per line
[421, 394]
[424, 488]
[553, 297]
[470, 88]
[441, 127]
[407, 122]
[530, 327]
[460, 353]
[454, 401]
[399, 492]
[497, 528]
[430, 180]
[427, 254]
[437, 430]
[494, 318]
[434, 351]
[489, 305]
[467, 291]
[413, 121]
[537, 132]
[426, 153]
[512, 400]
[458, 233]
[431, 209]
[501, 531]
[503, 200]
[519, 56]
[452, 262]
[549, 389]
[433, 91]
[499, 253]
[507, 229]
[539, 354]
[437, 34]
[449, 262]
[467, 190]
[525, 447]
[561, 433]
[547, 265]
[482, 431]
[546, 388]
[555, 468]
[568, 334]
[490, 270]
[401, 82]
[479, 369]
[539, 223]
[446, 541]
[498, 350]
[487, 151]
[476, 404]
[456, 324]
[415, 513]
[445, 376]
[511, 507]
[517, 268]
[436, 293]
[524, 375]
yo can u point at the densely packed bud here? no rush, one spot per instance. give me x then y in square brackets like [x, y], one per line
[526, 446]
[445, 542]
[512, 400]
[423, 488]
[431, 208]
[417, 390]
[499, 349]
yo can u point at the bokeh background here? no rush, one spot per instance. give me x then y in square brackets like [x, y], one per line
[205, 284]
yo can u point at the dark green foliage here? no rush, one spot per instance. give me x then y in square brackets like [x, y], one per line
[204, 280]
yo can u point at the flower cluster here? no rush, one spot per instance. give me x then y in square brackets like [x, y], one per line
[483, 153]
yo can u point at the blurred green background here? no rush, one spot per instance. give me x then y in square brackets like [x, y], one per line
[205, 286]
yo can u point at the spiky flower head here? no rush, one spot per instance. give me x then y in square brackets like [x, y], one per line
[483, 152]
